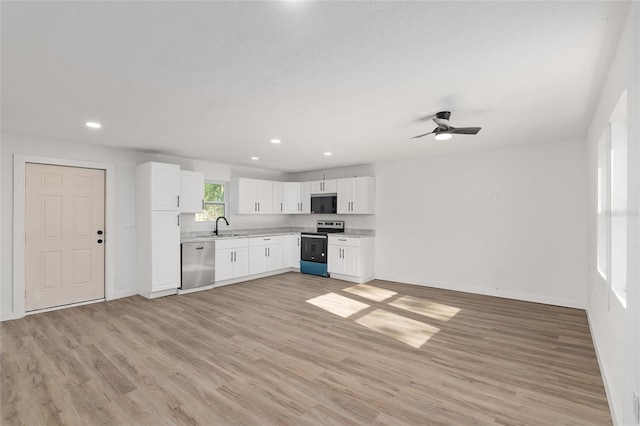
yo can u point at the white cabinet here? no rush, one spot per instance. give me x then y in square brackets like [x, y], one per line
[191, 192]
[297, 198]
[305, 197]
[356, 195]
[351, 258]
[278, 197]
[251, 196]
[232, 259]
[164, 185]
[157, 229]
[324, 186]
[292, 198]
[265, 254]
[165, 250]
[294, 257]
[264, 196]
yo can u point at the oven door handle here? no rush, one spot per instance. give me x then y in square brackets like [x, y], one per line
[314, 236]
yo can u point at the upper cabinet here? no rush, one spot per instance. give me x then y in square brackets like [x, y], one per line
[357, 195]
[296, 197]
[292, 197]
[191, 192]
[251, 196]
[278, 197]
[305, 197]
[324, 186]
[165, 185]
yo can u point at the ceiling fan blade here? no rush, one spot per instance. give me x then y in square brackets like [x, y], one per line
[419, 136]
[465, 130]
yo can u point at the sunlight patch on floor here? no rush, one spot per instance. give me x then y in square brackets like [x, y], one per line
[424, 307]
[370, 292]
[411, 332]
[339, 305]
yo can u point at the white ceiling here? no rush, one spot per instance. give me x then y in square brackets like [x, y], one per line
[217, 80]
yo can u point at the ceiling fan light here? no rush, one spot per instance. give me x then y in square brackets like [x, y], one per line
[443, 136]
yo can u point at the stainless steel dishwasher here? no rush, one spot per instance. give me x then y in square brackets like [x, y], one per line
[198, 264]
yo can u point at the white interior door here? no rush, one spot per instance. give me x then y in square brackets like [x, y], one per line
[64, 235]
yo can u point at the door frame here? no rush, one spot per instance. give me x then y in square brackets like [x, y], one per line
[19, 165]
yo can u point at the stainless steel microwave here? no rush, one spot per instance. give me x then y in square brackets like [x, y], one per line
[324, 204]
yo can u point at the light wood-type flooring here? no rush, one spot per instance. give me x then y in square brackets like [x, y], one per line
[296, 349]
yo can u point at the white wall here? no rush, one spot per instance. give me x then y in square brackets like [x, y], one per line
[125, 220]
[615, 329]
[509, 223]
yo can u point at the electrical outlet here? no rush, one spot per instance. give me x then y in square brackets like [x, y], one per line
[636, 406]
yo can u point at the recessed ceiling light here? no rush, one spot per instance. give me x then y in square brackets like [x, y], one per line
[255, 158]
[93, 124]
[275, 141]
[327, 154]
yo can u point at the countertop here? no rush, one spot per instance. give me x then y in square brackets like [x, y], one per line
[199, 237]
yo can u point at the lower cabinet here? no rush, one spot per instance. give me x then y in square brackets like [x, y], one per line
[232, 259]
[265, 254]
[294, 254]
[351, 258]
[165, 250]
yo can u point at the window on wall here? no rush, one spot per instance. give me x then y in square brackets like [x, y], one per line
[618, 199]
[603, 206]
[215, 202]
[613, 211]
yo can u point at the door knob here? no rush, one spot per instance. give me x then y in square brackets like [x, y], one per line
[99, 241]
[99, 232]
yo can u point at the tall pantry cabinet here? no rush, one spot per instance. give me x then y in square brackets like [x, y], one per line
[158, 228]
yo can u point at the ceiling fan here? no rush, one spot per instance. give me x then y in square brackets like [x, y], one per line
[444, 131]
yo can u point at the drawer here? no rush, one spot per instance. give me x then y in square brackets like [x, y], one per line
[263, 241]
[344, 241]
[232, 243]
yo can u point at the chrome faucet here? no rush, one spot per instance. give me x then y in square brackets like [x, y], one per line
[220, 217]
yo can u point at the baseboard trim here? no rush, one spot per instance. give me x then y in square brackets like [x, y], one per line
[603, 373]
[526, 297]
[254, 277]
[57, 308]
[126, 293]
[10, 316]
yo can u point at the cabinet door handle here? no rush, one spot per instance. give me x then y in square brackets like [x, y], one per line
[258, 205]
[231, 256]
[203, 204]
[281, 207]
[178, 201]
[341, 239]
[235, 256]
[266, 239]
[268, 252]
[178, 220]
[265, 252]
